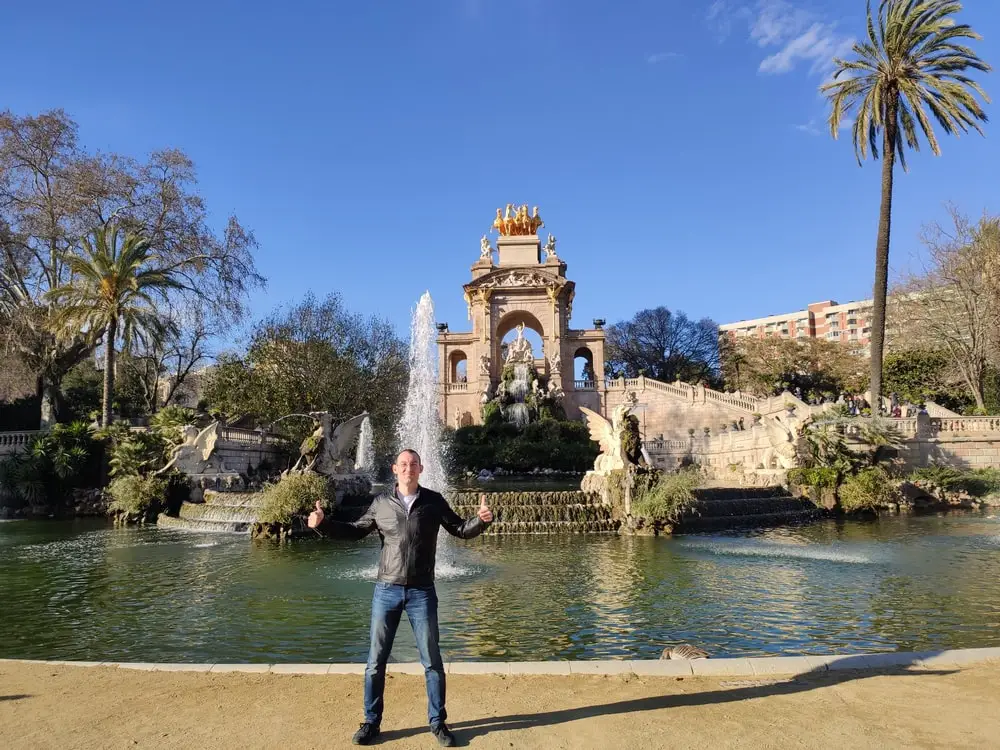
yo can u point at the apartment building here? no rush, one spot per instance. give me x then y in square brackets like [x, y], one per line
[848, 324]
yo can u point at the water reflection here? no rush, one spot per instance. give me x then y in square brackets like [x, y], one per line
[85, 591]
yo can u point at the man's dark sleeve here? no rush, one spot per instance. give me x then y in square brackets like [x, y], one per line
[455, 525]
[350, 529]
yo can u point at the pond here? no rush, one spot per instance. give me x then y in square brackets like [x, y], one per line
[81, 590]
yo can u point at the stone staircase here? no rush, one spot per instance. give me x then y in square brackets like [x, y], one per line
[221, 511]
[533, 512]
[718, 508]
[576, 512]
[528, 512]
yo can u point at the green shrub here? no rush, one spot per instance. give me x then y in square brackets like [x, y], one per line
[293, 495]
[548, 444]
[54, 463]
[491, 413]
[946, 477]
[667, 499]
[869, 489]
[977, 482]
[135, 452]
[169, 422]
[824, 477]
[137, 497]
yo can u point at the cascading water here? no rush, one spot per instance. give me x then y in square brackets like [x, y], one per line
[517, 412]
[364, 461]
[420, 428]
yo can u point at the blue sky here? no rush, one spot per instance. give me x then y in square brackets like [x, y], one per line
[677, 150]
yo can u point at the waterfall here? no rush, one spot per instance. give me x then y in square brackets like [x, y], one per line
[420, 428]
[364, 461]
[517, 412]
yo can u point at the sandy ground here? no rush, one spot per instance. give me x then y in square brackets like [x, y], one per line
[48, 706]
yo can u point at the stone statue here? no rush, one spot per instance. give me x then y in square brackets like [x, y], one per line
[519, 350]
[555, 362]
[782, 439]
[485, 249]
[555, 389]
[550, 248]
[609, 436]
[194, 455]
[328, 451]
[484, 364]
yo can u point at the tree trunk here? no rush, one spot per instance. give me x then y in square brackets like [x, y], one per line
[882, 254]
[47, 400]
[109, 372]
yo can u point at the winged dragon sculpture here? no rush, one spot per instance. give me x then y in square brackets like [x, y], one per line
[194, 455]
[328, 450]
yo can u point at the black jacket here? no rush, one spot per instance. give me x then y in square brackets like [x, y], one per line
[409, 539]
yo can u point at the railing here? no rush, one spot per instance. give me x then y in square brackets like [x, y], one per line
[667, 446]
[585, 385]
[12, 442]
[744, 402]
[684, 391]
[740, 401]
[247, 437]
[965, 424]
[455, 387]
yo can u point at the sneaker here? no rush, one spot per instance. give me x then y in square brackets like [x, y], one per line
[366, 735]
[444, 736]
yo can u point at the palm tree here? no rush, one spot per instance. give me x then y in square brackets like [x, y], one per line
[114, 280]
[912, 61]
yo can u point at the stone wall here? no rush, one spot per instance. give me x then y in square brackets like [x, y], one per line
[240, 449]
[962, 442]
[670, 410]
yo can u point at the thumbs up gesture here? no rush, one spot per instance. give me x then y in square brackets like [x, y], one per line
[316, 517]
[485, 514]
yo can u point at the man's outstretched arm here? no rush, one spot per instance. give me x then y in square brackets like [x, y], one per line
[343, 529]
[455, 525]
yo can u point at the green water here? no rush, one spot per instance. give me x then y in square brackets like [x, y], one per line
[80, 590]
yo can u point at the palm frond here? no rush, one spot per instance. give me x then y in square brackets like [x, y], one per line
[912, 61]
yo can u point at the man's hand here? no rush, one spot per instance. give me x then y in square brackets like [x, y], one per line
[316, 517]
[485, 514]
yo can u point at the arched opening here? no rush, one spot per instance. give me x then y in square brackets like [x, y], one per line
[583, 365]
[510, 328]
[458, 371]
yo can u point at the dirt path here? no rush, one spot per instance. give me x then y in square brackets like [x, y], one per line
[48, 706]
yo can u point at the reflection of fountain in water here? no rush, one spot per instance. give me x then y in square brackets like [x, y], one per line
[420, 428]
[517, 412]
[364, 461]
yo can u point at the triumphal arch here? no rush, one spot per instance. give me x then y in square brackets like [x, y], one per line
[518, 285]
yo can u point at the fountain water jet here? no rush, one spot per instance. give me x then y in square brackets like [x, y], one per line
[365, 459]
[420, 428]
[517, 412]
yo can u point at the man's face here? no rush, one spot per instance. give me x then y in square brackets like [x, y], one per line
[407, 468]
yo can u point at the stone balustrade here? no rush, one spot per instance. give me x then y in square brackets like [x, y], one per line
[247, 437]
[455, 387]
[974, 425]
[15, 442]
[585, 385]
[667, 446]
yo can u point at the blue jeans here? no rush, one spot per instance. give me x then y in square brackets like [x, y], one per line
[420, 604]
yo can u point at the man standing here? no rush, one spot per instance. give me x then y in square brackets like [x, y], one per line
[407, 520]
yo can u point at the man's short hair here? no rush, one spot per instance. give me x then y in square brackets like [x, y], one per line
[410, 451]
